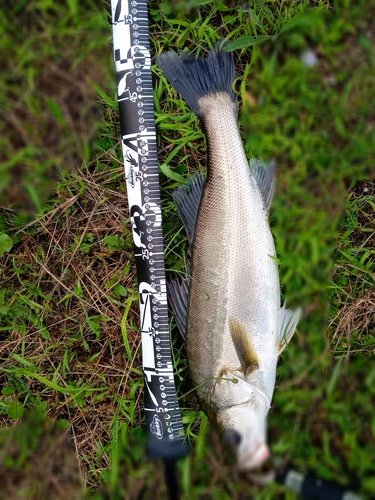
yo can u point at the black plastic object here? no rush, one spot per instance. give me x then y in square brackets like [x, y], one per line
[313, 488]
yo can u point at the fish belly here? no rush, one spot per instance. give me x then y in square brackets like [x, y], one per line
[234, 272]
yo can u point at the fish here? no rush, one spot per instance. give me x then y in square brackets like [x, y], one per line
[229, 310]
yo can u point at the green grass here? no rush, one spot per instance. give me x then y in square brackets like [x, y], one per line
[70, 348]
[53, 57]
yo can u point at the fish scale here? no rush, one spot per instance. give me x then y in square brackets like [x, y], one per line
[234, 325]
[237, 278]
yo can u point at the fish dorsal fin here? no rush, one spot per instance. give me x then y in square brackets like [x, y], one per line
[187, 198]
[244, 348]
[265, 175]
[288, 321]
[178, 294]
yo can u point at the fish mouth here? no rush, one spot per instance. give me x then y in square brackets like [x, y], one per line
[254, 460]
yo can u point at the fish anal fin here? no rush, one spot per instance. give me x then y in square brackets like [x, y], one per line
[288, 321]
[244, 348]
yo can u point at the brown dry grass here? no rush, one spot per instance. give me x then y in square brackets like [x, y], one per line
[357, 316]
[354, 321]
[74, 286]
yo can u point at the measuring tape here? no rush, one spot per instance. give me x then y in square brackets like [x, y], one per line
[132, 58]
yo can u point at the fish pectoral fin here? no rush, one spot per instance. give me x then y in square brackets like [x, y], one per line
[288, 321]
[244, 348]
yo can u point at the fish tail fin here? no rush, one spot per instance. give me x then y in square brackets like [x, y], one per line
[195, 77]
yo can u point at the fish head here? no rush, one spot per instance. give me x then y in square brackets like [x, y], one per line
[245, 429]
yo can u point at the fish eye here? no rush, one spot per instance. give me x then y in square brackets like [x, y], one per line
[233, 438]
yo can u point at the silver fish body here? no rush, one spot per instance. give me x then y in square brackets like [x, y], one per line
[235, 327]
[235, 283]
